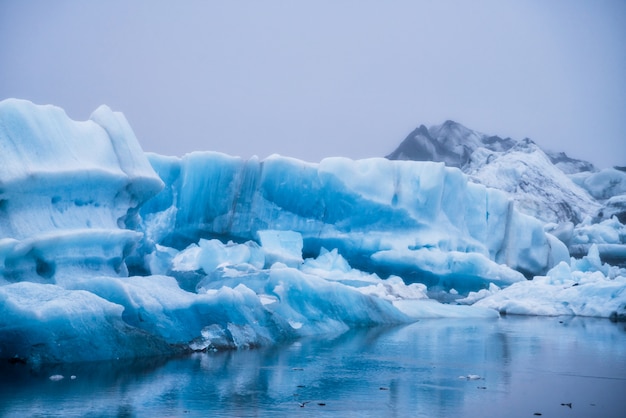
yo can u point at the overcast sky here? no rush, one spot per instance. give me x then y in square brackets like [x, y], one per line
[312, 79]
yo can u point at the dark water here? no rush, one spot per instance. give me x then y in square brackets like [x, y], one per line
[525, 366]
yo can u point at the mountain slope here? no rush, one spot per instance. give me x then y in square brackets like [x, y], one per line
[537, 186]
[538, 182]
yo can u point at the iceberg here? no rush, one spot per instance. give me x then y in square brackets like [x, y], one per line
[586, 288]
[69, 192]
[370, 210]
[108, 252]
[602, 184]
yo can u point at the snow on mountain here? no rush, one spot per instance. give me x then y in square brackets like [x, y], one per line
[538, 187]
[521, 169]
[570, 165]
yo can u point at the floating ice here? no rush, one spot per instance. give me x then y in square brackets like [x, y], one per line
[602, 184]
[229, 253]
[281, 246]
[587, 288]
[608, 237]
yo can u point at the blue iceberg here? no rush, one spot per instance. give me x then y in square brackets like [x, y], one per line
[108, 252]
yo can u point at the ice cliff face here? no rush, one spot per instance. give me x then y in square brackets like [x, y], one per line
[535, 180]
[383, 216]
[69, 191]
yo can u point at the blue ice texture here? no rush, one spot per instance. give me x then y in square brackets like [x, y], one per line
[108, 252]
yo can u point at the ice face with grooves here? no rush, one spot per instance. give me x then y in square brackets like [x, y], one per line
[303, 248]
[68, 192]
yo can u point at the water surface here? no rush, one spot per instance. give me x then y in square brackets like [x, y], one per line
[513, 366]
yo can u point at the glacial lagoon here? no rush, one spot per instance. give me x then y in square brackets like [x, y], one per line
[513, 366]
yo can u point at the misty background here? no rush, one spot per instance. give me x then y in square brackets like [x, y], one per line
[311, 79]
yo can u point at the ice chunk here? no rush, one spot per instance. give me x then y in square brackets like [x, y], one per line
[281, 246]
[452, 269]
[208, 255]
[326, 261]
[608, 236]
[474, 297]
[433, 309]
[68, 191]
[602, 184]
[45, 323]
[563, 291]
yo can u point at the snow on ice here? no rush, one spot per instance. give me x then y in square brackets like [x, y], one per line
[107, 252]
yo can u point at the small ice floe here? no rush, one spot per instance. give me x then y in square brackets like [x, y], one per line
[470, 377]
[73, 377]
[56, 377]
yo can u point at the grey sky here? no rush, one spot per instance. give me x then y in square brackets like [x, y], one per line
[311, 79]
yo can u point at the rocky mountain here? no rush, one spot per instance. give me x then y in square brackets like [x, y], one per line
[450, 142]
[569, 165]
[539, 182]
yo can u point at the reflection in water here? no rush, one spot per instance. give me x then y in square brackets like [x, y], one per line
[513, 366]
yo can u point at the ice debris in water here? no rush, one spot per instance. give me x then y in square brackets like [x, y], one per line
[587, 287]
[470, 377]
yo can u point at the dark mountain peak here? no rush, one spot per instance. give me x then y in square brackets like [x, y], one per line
[453, 144]
[449, 142]
[421, 130]
[450, 128]
[570, 165]
[419, 145]
[496, 143]
[526, 145]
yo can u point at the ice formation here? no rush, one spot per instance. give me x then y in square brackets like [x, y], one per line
[69, 192]
[373, 211]
[225, 252]
[602, 184]
[587, 287]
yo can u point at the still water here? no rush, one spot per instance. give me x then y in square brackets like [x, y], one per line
[509, 367]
